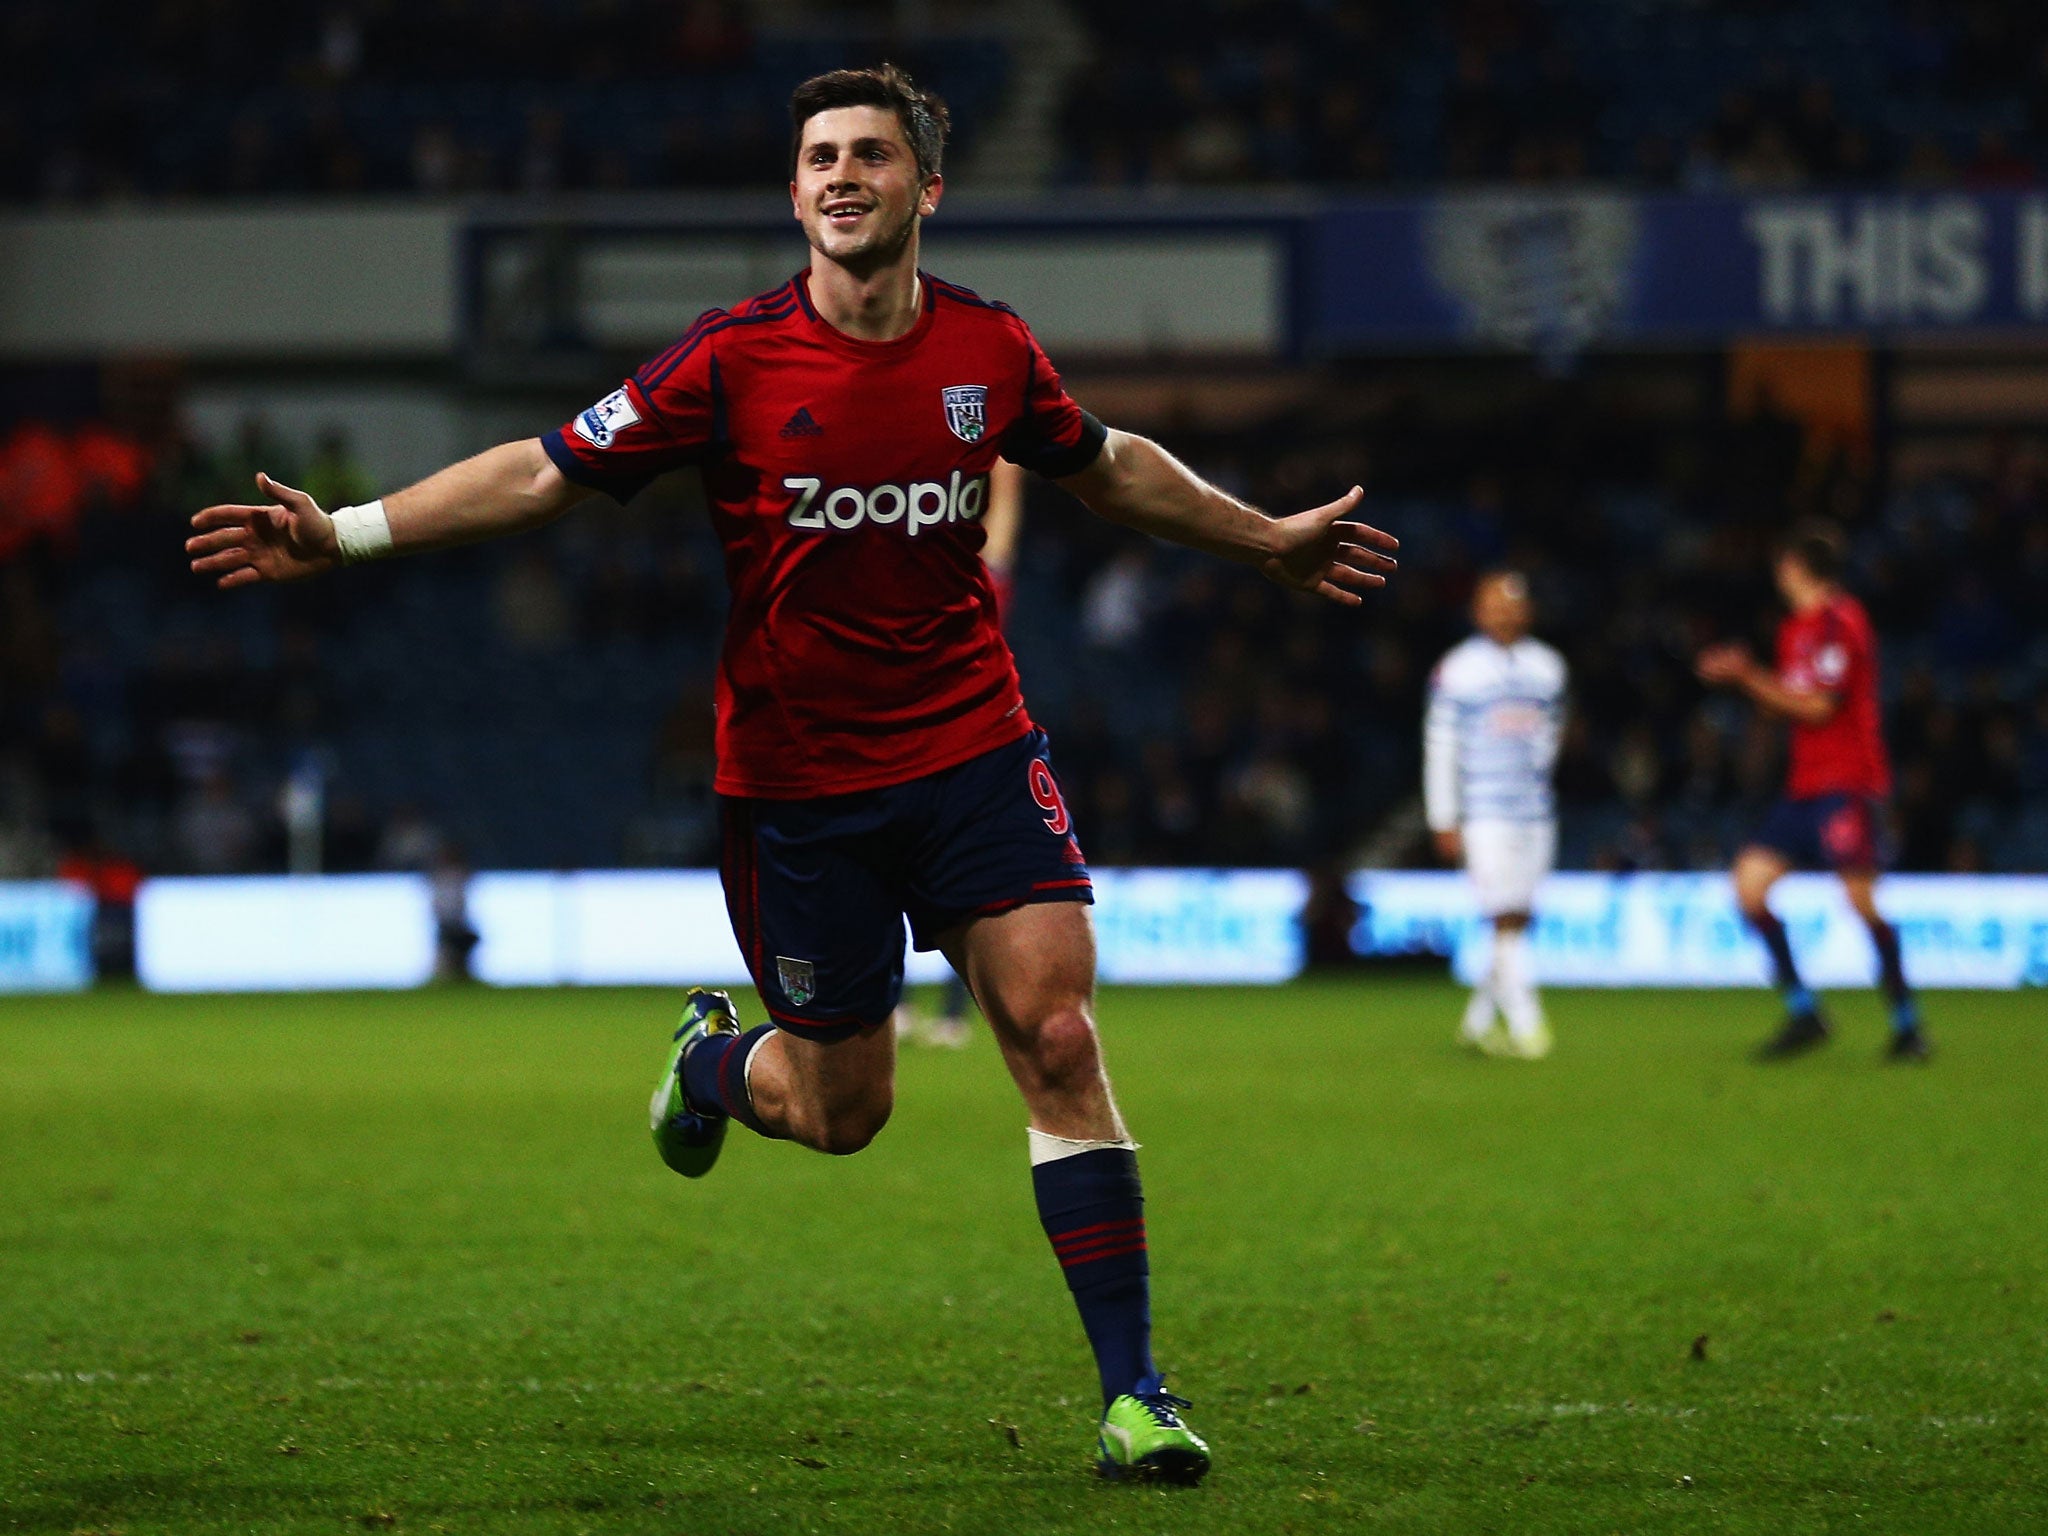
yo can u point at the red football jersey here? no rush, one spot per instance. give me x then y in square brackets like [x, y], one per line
[1831, 649]
[847, 480]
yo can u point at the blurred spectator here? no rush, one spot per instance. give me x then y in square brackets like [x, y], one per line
[455, 937]
[710, 35]
[216, 833]
[1926, 163]
[112, 468]
[438, 160]
[544, 157]
[1267, 807]
[1118, 600]
[1996, 164]
[256, 448]
[40, 491]
[333, 162]
[113, 880]
[302, 814]
[409, 841]
[341, 43]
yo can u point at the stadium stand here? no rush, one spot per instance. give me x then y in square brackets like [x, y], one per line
[99, 101]
[547, 703]
[234, 99]
[1750, 93]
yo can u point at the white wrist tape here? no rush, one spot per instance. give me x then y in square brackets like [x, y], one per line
[364, 532]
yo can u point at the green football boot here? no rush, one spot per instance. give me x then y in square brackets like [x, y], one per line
[1143, 1440]
[688, 1139]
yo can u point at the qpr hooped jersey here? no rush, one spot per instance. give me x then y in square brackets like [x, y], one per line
[847, 480]
[1831, 649]
[1490, 737]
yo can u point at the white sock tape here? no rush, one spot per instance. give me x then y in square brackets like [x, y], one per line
[747, 1068]
[364, 532]
[1050, 1149]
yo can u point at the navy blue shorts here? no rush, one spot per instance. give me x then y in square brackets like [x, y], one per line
[818, 889]
[1839, 832]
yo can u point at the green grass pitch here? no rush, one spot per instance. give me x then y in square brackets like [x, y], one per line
[410, 1262]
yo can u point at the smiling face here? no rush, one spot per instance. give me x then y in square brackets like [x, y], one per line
[858, 192]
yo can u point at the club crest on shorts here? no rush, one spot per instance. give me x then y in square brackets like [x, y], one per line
[799, 979]
[966, 410]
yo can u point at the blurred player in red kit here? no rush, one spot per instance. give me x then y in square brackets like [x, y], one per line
[875, 759]
[1837, 783]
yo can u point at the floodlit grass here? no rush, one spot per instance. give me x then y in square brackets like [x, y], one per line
[322, 1263]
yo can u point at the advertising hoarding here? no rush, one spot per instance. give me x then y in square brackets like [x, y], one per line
[1683, 930]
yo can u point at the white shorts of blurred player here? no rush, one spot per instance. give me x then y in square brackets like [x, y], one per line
[1507, 860]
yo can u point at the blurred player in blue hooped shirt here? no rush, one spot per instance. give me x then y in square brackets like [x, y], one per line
[1490, 740]
[875, 759]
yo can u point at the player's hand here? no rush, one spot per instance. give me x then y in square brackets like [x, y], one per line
[287, 540]
[1321, 551]
[1450, 846]
[1724, 663]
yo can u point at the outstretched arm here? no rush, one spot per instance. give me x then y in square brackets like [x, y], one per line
[1732, 666]
[1137, 483]
[502, 490]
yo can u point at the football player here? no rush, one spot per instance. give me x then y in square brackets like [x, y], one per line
[875, 757]
[1833, 813]
[1490, 739]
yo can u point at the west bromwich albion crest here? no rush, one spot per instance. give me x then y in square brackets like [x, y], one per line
[799, 979]
[966, 410]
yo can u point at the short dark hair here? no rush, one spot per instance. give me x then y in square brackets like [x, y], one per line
[923, 115]
[1817, 546]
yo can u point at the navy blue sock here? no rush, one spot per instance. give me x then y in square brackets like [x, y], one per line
[1093, 1209]
[714, 1076]
[1891, 966]
[1784, 972]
